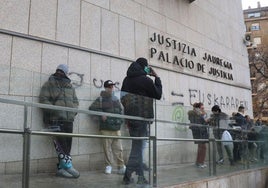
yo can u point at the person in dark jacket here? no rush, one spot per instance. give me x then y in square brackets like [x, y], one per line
[240, 119]
[59, 91]
[137, 94]
[216, 120]
[197, 118]
[108, 102]
[239, 151]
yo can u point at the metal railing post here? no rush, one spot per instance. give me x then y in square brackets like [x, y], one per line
[153, 138]
[26, 151]
[247, 153]
[213, 141]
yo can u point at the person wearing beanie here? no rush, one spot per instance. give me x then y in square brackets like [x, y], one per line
[137, 94]
[64, 68]
[59, 91]
[217, 120]
[110, 126]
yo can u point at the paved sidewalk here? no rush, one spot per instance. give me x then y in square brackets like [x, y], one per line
[167, 176]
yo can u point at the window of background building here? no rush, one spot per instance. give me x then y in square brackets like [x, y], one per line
[254, 15]
[255, 27]
[257, 40]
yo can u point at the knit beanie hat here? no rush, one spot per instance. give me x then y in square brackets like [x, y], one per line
[64, 68]
[142, 61]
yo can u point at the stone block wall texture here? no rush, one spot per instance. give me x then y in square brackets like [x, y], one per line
[99, 39]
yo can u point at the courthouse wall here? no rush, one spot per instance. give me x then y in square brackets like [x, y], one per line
[196, 48]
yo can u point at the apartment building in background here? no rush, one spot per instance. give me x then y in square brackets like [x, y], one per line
[256, 39]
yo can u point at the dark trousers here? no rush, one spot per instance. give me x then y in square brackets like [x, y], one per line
[237, 151]
[217, 135]
[62, 144]
[135, 161]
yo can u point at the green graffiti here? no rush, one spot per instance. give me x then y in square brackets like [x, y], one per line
[178, 115]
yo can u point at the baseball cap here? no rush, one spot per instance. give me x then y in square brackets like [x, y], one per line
[108, 83]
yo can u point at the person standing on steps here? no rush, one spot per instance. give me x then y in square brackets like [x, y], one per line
[197, 117]
[137, 94]
[216, 120]
[110, 126]
[59, 91]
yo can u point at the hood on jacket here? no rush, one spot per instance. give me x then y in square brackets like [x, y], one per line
[62, 81]
[135, 69]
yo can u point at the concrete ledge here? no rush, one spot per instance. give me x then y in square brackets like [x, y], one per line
[253, 178]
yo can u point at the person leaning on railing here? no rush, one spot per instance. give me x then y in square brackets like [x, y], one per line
[59, 91]
[108, 102]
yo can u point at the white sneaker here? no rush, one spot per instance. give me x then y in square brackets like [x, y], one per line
[122, 170]
[201, 165]
[108, 170]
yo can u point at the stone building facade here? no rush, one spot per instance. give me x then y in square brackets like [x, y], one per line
[196, 47]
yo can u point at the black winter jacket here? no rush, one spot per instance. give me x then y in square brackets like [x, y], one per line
[138, 91]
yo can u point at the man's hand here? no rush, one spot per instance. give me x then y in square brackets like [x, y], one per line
[153, 73]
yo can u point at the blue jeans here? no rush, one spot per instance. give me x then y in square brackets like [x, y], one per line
[135, 161]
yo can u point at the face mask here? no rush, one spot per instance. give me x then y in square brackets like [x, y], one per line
[147, 70]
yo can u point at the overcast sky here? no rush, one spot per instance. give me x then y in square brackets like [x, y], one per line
[253, 3]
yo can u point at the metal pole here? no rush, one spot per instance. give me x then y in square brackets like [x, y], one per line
[26, 151]
[150, 150]
[247, 153]
[213, 156]
[155, 148]
[153, 138]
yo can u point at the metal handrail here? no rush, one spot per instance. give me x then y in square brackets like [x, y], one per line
[53, 107]
[27, 132]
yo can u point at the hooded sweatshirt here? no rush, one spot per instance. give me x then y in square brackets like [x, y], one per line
[138, 91]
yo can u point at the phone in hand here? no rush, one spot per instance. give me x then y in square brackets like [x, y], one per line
[148, 70]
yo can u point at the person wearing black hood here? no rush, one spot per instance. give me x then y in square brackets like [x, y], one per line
[108, 102]
[137, 94]
[59, 91]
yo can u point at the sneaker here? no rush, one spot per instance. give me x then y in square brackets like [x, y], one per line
[142, 180]
[122, 170]
[201, 166]
[73, 172]
[220, 161]
[108, 170]
[253, 159]
[63, 173]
